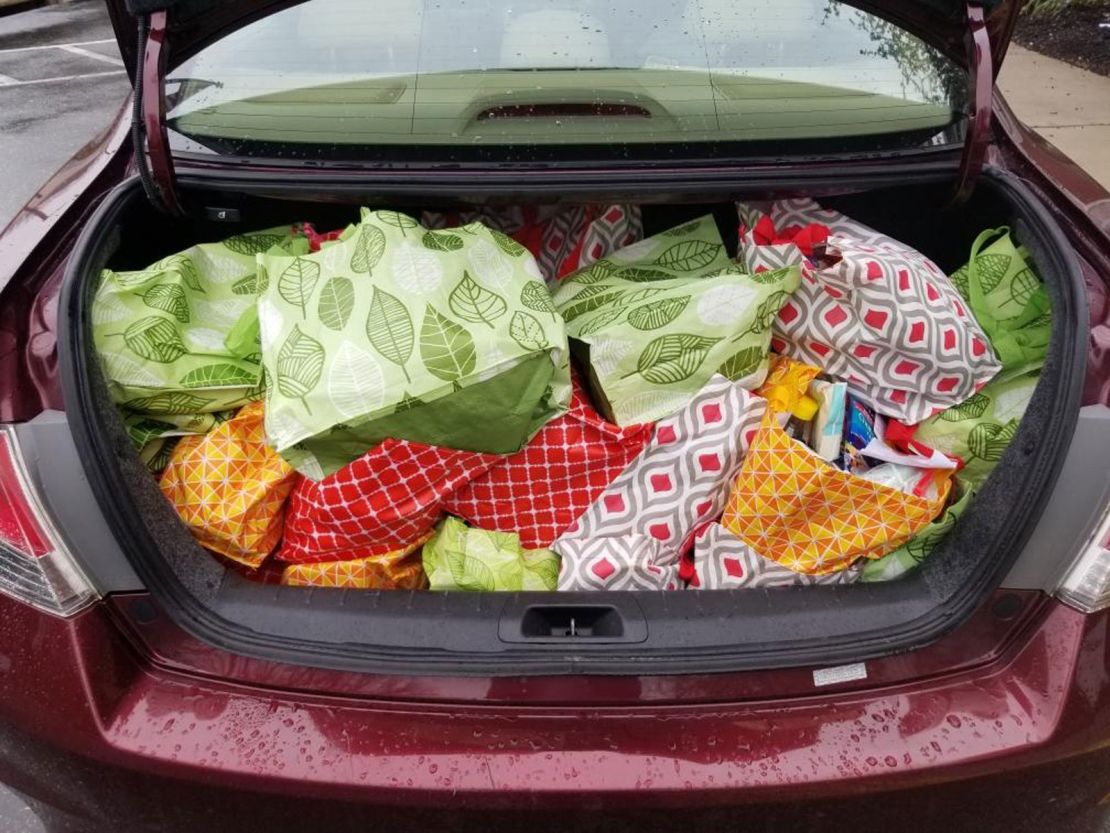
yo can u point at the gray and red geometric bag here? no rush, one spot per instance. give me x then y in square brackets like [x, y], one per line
[870, 310]
[563, 238]
[635, 534]
[724, 562]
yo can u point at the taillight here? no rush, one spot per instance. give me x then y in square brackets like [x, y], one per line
[1087, 584]
[35, 565]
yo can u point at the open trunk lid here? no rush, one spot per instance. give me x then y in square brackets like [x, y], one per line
[156, 35]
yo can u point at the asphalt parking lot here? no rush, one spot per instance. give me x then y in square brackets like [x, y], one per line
[61, 82]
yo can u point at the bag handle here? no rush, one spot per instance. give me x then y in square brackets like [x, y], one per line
[1007, 342]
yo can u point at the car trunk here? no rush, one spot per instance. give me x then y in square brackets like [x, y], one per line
[630, 633]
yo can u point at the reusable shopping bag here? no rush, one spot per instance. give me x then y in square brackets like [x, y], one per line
[724, 562]
[634, 535]
[539, 491]
[908, 556]
[870, 310]
[979, 429]
[663, 315]
[230, 489]
[169, 337]
[1008, 300]
[1012, 305]
[459, 557]
[398, 570]
[396, 331]
[387, 500]
[562, 238]
[793, 507]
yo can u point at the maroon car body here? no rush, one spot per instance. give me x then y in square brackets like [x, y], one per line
[116, 718]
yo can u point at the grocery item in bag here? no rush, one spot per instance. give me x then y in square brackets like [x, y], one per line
[633, 536]
[166, 335]
[459, 557]
[827, 432]
[562, 238]
[539, 491]
[230, 489]
[870, 310]
[859, 433]
[663, 315]
[399, 332]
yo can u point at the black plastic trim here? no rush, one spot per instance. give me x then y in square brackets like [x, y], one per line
[565, 182]
[690, 632]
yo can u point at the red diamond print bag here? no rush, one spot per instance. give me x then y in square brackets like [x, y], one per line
[870, 310]
[724, 562]
[539, 491]
[563, 239]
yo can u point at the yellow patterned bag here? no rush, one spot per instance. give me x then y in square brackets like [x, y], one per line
[230, 489]
[398, 570]
[791, 506]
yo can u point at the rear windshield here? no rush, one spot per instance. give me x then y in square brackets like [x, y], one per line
[524, 80]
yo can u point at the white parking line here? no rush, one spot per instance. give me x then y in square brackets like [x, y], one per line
[7, 83]
[88, 53]
[55, 46]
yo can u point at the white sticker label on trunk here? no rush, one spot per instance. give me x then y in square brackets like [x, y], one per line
[840, 674]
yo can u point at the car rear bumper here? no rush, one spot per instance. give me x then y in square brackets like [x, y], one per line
[90, 729]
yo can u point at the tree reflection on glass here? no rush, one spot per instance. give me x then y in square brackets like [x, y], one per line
[926, 73]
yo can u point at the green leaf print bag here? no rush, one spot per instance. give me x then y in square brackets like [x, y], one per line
[445, 337]
[1011, 305]
[166, 335]
[981, 427]
[1009, 301]
[458, 557]
[661, 316]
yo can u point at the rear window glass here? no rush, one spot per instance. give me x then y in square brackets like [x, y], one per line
[523, 80]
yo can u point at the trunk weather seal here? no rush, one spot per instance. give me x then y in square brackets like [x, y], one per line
[1043, 458]
[557, 182]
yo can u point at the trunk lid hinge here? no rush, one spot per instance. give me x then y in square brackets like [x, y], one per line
[148, 121]
[980, 65]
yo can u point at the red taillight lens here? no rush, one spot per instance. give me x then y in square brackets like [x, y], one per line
[19, 531]
[36, 567]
